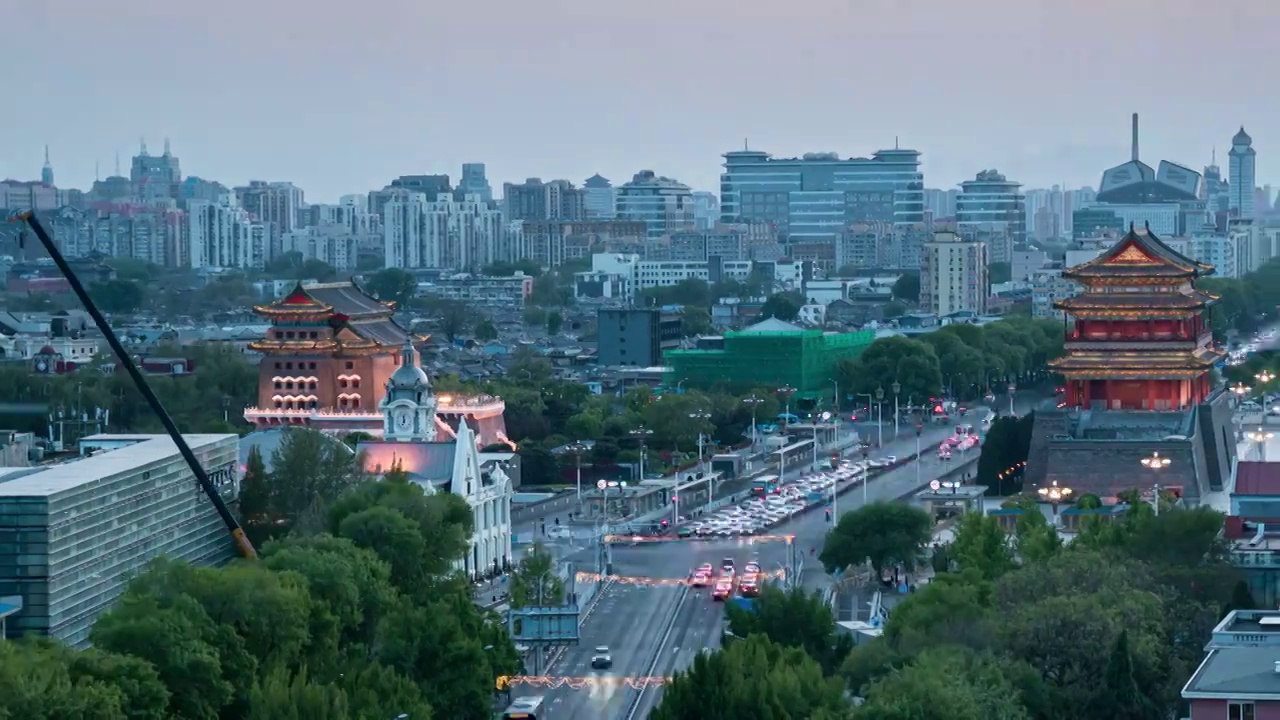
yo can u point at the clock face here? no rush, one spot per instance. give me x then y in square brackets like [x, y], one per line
[403, 421]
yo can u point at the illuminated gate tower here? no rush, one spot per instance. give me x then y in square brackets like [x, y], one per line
[1140, 340]
[326, 361]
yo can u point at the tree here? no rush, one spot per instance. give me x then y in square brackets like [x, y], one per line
[535, 582]
[36, 682]
[117, 296]
[910, 363]
[426, 641]
[377, 691]
[794, 618]
[255, 494]
[952, 609]
[1241, 598]
[453, 317]
[392, 285]
[485, 331]
[907, 287]
[695, 320]
[309, 470]
[945, 684]
[537, 465]
[1035, 539]
[754, 678]
[981, 544]
[534, 316]
[885, 534]
[783, 306]
[894, 308]
[1120, 696]
[555, 321]
[283, 695]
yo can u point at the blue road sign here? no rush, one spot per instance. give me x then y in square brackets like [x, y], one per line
[544, 625]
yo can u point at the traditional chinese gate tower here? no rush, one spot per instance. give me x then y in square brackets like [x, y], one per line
[1138, 367]
[1140, 340]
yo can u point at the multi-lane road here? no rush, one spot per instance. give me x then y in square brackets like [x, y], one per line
[657, 629]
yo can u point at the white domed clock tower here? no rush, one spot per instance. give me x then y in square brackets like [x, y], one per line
[409, 408]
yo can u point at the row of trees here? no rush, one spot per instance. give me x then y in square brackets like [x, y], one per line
[1244, 303]
[1013, 626]
[966, 361]
[357, 615]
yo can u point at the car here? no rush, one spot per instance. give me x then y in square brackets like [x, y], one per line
[685, 532]
[602, 660]
[722, 590]
[727, 565]
[700, 580]
[752, 567]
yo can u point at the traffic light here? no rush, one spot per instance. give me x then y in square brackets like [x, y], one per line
[557, 521]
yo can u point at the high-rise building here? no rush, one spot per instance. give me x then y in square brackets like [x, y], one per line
[991, 199]
[46, 172]
[816, 196]
[706, 210]
[953, 275]
[444, 233]
[662, 204]
[940, 203]
[276, 203]
[537, 200]
[1243, 175]
[222, 235]
[474, 182]
[600, 200]
[155, 177]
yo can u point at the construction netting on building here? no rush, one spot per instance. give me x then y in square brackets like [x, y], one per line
[804, 359]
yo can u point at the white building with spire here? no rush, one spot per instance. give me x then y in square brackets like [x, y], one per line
[1243, 169]
[448, 461]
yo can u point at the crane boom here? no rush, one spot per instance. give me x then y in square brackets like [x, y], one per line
[242, 543]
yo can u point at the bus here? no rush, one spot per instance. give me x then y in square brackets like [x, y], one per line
[764, 485]
[525, 708]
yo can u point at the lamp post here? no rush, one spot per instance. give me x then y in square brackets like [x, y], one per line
[1264, 379]
[1055, 494]
[578, 448]
[1155, 463]
[1013, 389]
[786, 391]
[866, 450]
[1261, 437]
[836, 383]
[700, 417]
[880, 417]
[1240, 389]
[897, 388]
[753, 401]
[919, 460]
[642, 434]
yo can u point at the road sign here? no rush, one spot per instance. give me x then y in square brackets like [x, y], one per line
[544, 625]
[934, 485]
[602, 484]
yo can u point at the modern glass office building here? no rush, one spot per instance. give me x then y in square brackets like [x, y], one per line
[814, 197]
[72, 534]
[992, 199]
[662, 204]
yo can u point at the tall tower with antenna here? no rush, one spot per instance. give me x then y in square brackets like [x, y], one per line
[46, 172]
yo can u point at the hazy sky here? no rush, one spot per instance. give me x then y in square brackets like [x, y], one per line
[341, 97]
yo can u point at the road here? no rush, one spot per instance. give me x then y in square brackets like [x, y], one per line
[658, 629]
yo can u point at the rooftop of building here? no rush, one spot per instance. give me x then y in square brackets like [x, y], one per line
[54, 478]
[1139, 255]
[1131, 425]
[1243, 660]
[342, 298]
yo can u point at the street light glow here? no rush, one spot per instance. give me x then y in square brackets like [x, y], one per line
[1156, 462]
[1265, 377]
[1055, 493]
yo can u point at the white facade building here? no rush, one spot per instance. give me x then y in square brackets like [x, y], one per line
[991, 200]
[332, 244]
[222, 235]
[1243, 178]
[624, 275]
[444, 233]
[439, 458]
[953, 276]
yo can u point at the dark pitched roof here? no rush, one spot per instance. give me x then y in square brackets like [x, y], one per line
[346, 298]
[1139, 254]
[1257, 478]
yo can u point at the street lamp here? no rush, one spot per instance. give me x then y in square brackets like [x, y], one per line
[919, 460]
[897, 388]
[642, 434]
[578, 448]
[866, 474]
[786, 391]
[1012, 389]
[1264, 377]
[1155, 463]
[1261, 437]
[700, 417]
[1240, 389]
[753, 401]
[880, 416]
[1055, 494]
[836, 383]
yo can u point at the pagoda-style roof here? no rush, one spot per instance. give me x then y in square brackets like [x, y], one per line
[1148, 363]
[335, 298]
[1139, 302]
[361, 322]
[1139, 255]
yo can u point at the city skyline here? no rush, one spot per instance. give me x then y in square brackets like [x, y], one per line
[388, 119]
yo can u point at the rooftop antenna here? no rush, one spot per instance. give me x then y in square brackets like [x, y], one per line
[895, 142]
[166, 147]
[97, 171]
[1213, 155]
[117, 163]
[46, 154]
[744, 144]
[1135, 137]
[142, 146]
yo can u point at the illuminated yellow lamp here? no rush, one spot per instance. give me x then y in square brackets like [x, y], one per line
[445, 399]
[1265, 377]
[1241, 389]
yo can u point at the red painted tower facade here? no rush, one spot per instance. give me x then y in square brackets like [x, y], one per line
[1140, 339]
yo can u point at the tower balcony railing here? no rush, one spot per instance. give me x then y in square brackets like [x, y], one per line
[479, 405]
[1129, 344]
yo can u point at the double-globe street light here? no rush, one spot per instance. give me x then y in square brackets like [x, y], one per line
[880, 417]
[753, 402]
[786, 391]
[700, 418]
[1260, 437]
[642, 434]
[1055, 494]
[1155, 462]
[578, 448]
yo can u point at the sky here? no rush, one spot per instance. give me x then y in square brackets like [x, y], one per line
[341, 97]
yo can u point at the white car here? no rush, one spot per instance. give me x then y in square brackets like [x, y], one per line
[602, 660]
